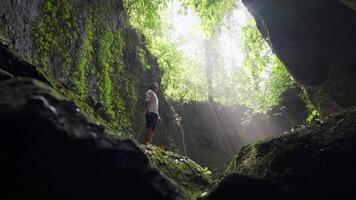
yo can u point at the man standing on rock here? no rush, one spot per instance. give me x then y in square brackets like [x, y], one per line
[151, 111]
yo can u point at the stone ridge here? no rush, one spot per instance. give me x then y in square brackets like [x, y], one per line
[50, 151]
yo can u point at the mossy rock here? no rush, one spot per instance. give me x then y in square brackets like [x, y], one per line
[315, 162]
[192, 178]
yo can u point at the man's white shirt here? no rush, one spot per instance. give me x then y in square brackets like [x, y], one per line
[152, 101]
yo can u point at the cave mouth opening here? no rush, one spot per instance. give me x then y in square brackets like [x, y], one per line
[226, 85]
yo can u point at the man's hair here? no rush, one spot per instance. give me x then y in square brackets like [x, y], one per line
[154, 84]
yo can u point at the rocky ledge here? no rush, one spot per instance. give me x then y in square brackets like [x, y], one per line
[49, 150]
[315, 162]
[193, 179]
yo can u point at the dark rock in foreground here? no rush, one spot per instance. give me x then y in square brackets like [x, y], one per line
[237, 186]
[50, 151]
[317, 162]
[11, 65]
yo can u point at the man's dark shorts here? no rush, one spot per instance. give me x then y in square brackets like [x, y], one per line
[151, 120]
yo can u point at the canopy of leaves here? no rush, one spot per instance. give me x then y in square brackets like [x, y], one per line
[263, 77]
[257, 82]
[211, 12]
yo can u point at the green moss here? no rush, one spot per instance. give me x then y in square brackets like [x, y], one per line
[75, 48]
[142, 59]
[191, 177]
[55, 35]
[80, 75]
[105, 58]
[125, 88]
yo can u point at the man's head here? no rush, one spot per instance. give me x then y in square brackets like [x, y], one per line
[155, 87]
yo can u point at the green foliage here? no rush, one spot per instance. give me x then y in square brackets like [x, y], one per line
[211, 12]
[105, 59]
[183, 79]
[144, 14]
[257, 84]
[119, 98]
[313, 115]
[142, 58]
[263, 77]
[73, 48]
[192, 178]
[279, 80]
[206, 171]
[55, 35]
[80, 75]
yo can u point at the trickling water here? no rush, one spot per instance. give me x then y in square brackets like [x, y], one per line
[182, 132]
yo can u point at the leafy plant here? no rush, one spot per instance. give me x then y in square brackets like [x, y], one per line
[313, 115]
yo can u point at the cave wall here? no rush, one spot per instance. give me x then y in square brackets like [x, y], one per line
[210, 132]
[316, 42]
[88, 51]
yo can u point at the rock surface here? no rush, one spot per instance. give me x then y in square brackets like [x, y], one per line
[316, 41]
[193, 180]
[237, 186]
[316, 162]
[50, 151]
[11, 66]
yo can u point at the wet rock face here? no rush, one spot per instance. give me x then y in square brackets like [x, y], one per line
[316, 41]
[50, 151]
[317, 162]
[11, 66]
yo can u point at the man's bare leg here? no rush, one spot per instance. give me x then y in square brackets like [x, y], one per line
[148, 138]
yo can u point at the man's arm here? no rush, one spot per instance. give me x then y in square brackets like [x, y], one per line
[148, 97]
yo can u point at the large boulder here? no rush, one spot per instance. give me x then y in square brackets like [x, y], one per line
[49, 150]
[316, 162]
[316, 41]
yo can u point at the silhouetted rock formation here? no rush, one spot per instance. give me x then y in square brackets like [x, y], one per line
[316, 162]
[237, 186]
[316, 41]
[50, 151]
[11, 66]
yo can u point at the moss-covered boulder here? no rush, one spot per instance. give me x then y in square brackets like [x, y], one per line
[192, 179]
[316, 162]
[49, 150]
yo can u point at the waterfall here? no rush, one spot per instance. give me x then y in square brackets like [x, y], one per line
[182, 132]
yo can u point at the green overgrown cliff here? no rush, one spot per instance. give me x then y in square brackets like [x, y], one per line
[89, 52]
